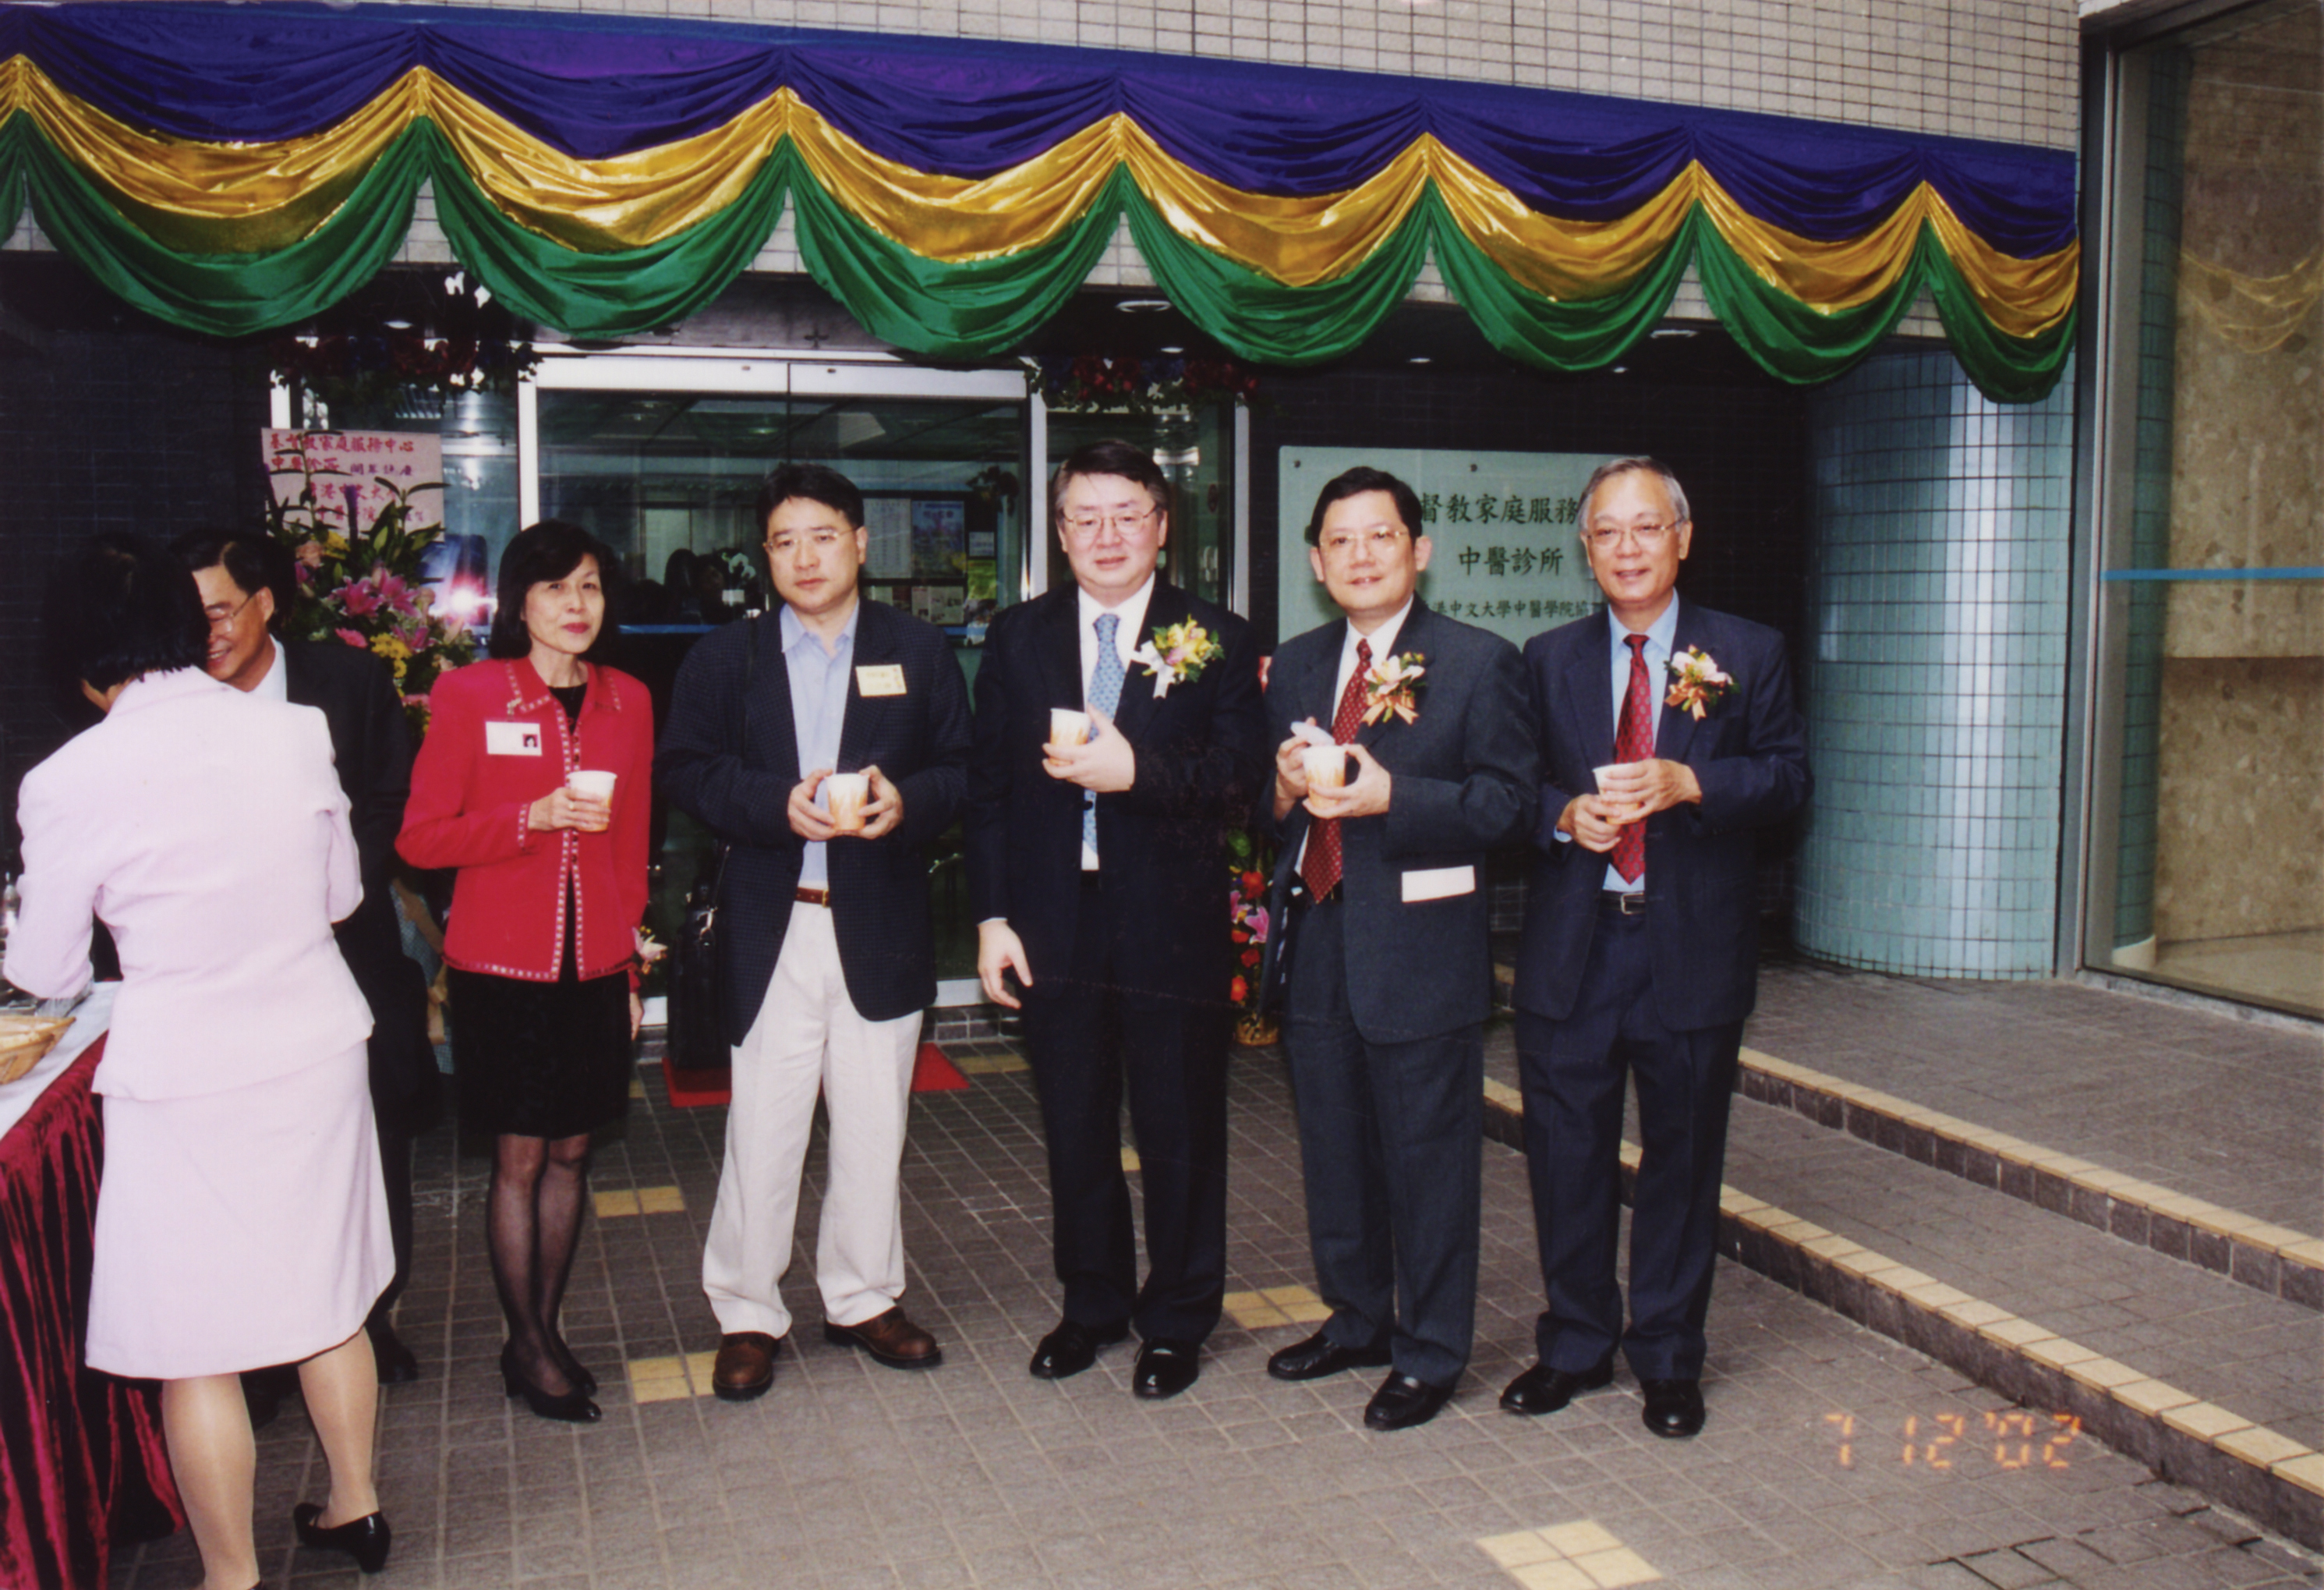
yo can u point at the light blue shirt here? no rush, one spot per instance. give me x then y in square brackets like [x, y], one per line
[818, 709]
[1661, 636]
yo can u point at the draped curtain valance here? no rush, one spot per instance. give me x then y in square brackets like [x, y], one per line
[235, 169]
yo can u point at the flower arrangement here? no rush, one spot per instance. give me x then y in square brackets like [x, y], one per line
[360, 584]
[1697, 683]
[1250, 860]
[1129, 383]
[1178, 654]
[1391, 686]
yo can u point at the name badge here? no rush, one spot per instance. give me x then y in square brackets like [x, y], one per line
[879, 679]
[1439, 883]
[512, 739]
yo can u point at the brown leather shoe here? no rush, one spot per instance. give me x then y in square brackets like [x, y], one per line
[745, 1366]
[891, 1339]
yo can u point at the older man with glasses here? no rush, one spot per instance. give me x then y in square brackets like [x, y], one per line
[1669, 740]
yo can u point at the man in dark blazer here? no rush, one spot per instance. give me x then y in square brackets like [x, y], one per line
[247, 582]
[1099, 877]
[1640, 953]
[826, 953]
[1381, 893]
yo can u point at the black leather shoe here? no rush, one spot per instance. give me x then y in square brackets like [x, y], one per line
[1166, 1367]
[1071, 1348]
[573, 1406]
[1402, 1401]
[366, 1539]
[396, 1366]
[1544, 1389]
[1674, 1408]
[1319, 1355]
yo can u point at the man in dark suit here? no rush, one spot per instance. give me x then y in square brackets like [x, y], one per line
[826, 953]
[1640, 952]
[1098, 875]
[247, 581]
[1381, 891]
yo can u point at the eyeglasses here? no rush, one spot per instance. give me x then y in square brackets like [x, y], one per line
[1649, 536]
[1380, 538]
[1084, 526]
[221, 616]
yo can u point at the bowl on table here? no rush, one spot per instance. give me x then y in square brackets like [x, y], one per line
[24, 1039]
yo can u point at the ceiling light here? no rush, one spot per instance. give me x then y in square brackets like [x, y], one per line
[1143, 306]
[1174, 351]
[1420, 359]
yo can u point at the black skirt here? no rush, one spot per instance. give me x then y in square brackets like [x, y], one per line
[541, 1059]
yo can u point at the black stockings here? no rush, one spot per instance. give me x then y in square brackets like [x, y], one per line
[534, 1224]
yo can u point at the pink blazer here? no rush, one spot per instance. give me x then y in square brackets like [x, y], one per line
[207, 828]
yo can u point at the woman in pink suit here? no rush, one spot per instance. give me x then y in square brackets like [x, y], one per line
[241, 1221]
[543, 937]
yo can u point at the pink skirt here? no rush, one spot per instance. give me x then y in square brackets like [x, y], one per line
[238, 1229]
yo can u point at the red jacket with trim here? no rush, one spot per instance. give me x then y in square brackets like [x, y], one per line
[497, 741]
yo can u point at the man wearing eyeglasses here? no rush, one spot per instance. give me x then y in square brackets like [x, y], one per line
[1097, 871]
[247, 581]
[1380, 895]
[1669, 740]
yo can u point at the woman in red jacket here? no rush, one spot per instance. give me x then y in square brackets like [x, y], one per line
[541, 940]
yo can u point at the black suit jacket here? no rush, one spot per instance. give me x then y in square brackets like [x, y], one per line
[1749, 755]
[1201, 756]
[878, 888]
[371, 744]
[1464, 773]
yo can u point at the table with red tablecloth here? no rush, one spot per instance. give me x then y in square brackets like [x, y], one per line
[82, 1462]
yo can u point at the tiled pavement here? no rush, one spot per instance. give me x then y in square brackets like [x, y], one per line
[1834, 1456]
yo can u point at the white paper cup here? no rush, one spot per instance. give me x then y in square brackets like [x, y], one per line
[1327, 766]
[1068, 728]
[847, 792]
[595, 785]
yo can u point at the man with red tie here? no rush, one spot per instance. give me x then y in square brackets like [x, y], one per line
[1381, 891]
[1669, 739]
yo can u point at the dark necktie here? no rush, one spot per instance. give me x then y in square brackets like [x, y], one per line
[1634, 740]
[1320, 867]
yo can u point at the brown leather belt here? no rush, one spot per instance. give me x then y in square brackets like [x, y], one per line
[806, 896]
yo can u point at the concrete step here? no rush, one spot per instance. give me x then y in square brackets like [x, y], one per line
[2182, 1365]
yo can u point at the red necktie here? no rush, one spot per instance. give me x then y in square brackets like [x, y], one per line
[1321, 865]
[1634, 740]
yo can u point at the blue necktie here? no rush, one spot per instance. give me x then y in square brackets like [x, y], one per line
[1104, 696]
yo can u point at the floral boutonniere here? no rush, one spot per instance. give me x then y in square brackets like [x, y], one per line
[1697, 683]
[1390, 687]
[1177, 655]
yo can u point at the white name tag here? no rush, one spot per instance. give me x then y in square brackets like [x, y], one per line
[879, 679]
[512, 739]
[1439, 883]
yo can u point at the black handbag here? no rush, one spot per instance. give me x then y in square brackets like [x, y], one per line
[696, 1021]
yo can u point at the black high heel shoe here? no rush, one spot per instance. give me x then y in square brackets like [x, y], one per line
[573, 1407]
[366, 1539]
